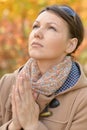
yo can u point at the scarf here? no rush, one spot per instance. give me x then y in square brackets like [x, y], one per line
[50, 81]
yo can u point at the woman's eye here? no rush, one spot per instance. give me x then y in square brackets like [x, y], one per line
[53, 28]
[35, 26]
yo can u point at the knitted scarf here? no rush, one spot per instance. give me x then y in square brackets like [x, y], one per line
[50, 81]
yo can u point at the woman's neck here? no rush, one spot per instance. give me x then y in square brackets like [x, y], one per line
[44, 65]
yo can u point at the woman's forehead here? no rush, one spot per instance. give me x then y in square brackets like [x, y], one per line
[49, 17]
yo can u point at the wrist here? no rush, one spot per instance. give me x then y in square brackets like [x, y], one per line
[12, 127]
[32, 127]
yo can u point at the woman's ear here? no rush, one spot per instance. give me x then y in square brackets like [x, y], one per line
[71, 46]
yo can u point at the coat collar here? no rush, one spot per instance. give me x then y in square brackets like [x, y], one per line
[43, 100]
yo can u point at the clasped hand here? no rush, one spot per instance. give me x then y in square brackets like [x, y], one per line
[24, 108]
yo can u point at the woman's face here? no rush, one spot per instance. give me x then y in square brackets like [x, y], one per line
[49, 37]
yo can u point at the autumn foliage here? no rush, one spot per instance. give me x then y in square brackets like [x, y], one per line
[16, 19]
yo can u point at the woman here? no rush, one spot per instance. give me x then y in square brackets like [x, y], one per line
[50, 91]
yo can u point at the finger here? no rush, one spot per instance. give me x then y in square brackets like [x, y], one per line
[26, 83]
[35, 95]
[24, 89]
[14, 111]
[17, 98]
[13, 99]
[27, 90]
[19, 85]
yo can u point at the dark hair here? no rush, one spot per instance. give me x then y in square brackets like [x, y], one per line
[74, 22]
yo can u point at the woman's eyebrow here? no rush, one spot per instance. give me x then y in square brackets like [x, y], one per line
[52, 23]
[47, 22]
[36, 21]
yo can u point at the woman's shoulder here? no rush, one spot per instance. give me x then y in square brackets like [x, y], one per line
[7, 80]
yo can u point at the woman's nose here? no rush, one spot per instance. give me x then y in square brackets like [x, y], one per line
[38, 33]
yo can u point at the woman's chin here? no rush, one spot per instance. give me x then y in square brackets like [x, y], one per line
[35, 56]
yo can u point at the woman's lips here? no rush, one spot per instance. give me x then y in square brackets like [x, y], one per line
[36, 44]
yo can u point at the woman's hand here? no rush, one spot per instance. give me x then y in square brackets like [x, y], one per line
[15, 124]
[26, 109]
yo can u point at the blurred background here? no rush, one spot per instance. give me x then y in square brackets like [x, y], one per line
[16, 18]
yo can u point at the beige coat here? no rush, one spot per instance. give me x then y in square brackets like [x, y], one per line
[71, 114]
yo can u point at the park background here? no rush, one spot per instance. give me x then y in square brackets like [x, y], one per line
[16, 18]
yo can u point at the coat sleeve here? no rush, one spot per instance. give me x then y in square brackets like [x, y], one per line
[5, 86]
[41, 126]
[80, 116]
[4, 93]
[5, 126]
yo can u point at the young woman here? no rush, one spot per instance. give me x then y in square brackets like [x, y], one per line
[50, 91]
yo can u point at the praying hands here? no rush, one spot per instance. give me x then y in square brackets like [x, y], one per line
[24, 108]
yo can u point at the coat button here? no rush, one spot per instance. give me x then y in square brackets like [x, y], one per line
[54, 103]
[46, 114]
